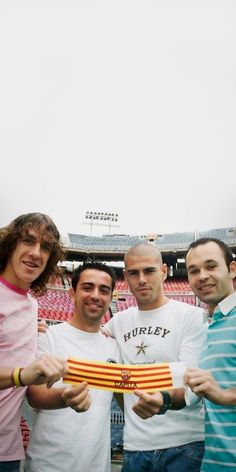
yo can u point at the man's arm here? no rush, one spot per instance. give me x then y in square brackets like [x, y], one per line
[42, 326]
[44, 370]
[39, 397]
[203, 384]
[191, 345]
[108, 328]
[76, 397]
[150, 404]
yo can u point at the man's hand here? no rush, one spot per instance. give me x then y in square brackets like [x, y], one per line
[77, 397]
[203, 384]
[45, 370]
[149, 404]
[42, 326]
[105, 332]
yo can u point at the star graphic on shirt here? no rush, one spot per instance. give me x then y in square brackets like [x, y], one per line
[141, 348]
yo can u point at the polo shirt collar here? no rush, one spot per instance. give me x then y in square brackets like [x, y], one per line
[226, 305]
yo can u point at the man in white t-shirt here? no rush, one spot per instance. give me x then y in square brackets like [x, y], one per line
[156, 435]
[64, 440]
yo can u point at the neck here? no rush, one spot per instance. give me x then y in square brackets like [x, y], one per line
[211, 309]
[9, 276]
[84, 326]
[153, 305]
[212, 306]
[13, 283]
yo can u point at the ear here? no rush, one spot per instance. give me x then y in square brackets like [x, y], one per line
[164, 270]
[232, 269]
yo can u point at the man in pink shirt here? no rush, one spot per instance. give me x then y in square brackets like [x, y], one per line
[29, 251]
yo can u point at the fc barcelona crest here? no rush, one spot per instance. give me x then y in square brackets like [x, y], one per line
[125, 375]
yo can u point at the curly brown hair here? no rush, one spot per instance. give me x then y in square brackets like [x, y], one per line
[11, 234]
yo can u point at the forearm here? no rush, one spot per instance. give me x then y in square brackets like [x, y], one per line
[150, 404]
[226, 397]
[44, 370]
[76, 397]
[203, 384]
[41, 397]
[177, 398]
[6, 379]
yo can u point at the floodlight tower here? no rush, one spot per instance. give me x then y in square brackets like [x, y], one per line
[95, 217]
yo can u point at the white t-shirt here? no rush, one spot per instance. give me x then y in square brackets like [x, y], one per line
[63, 440]
[174, 332]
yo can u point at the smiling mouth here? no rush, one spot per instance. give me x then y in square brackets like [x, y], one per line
[31, 265]
[206, 288]
[93, 305]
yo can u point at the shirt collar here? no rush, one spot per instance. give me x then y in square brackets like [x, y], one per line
[21, 291]
[227, 304]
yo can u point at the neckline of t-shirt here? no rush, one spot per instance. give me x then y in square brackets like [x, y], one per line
[154, 310]
[12, 287]
[80, 331]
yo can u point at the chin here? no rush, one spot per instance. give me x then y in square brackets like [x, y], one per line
[209, 301]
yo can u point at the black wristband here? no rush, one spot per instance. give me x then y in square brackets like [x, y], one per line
[166, 402]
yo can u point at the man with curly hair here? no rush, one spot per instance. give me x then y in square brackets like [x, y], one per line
[29, 251]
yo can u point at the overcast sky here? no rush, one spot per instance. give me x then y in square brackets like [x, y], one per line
[123, 106]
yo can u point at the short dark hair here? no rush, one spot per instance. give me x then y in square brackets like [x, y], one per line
[228, 255]
[97, 265]
[12, 234]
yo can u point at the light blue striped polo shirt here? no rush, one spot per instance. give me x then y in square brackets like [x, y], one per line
[219, 357]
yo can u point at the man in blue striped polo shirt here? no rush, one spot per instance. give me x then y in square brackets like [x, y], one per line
[211, 272]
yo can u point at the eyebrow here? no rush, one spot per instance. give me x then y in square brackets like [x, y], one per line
[191, 266]
[141, 270]
[28, 235]
[205, 262]
[91, 284]
[36, 238]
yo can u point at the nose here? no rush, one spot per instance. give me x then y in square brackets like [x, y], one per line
[95, 293]
[203, 274]
[142, 278]
[36, 249]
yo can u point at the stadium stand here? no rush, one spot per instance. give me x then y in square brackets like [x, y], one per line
[56, 305]
[228, 235]
[121, 243]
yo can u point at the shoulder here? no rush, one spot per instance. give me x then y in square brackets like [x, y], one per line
[188, 313]
[111, 347]
[57, 329]
[186, 307]
[121, 318]
[109, 341]
[53, 340]
[52, 332]
[3, 288]
[121, 315]
[32, 300]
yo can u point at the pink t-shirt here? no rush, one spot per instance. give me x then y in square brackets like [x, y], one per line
[18, 342]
